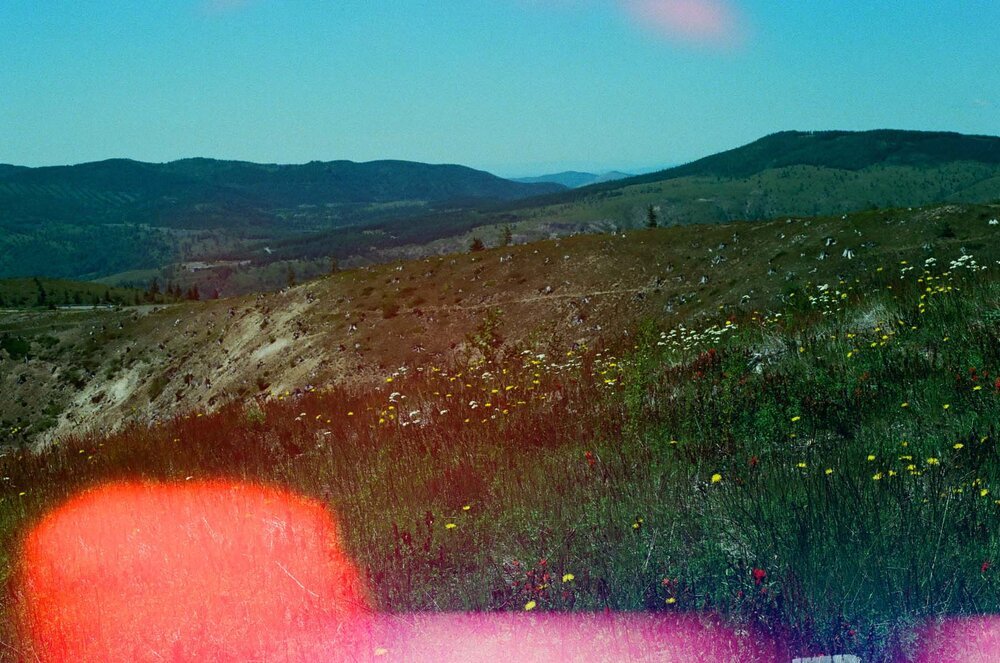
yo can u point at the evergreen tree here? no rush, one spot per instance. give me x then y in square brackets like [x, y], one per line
[43, 296]
[477, 245]
[651, 217]
[154, 290]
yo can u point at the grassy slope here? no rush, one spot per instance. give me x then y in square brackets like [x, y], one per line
[109, 366]
[841, 442]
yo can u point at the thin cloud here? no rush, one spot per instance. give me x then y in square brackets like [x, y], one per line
[706, 22]
[711, 23]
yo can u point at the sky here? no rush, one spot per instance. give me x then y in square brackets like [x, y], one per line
[516, 87]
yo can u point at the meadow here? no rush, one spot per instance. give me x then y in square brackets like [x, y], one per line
[826, 472]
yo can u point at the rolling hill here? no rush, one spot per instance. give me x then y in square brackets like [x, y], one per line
[837, 150]
[101, 218]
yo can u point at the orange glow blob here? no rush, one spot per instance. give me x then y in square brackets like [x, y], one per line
[211, 571]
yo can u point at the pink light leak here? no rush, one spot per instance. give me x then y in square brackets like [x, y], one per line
[578, 637]
[711, 22]
[961, 640]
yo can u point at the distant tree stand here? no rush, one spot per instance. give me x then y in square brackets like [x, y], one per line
[651, 220]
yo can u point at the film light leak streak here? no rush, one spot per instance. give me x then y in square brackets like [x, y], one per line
[223, 571]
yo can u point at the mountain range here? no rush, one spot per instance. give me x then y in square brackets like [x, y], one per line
[574, 179]
[235, 227]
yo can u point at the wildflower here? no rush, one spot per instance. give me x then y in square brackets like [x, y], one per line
[795, 418]
[957, 446]
[671, 601]
[984, 492]
[871, 457]
[530, 605]
[758, 576]
[877, 476]
[985, 567]
[450, 526]
[828, 471]
[933, 461]
[801, 465]
[466, 507]
[568, 577]
[716, 478]
[905, 405]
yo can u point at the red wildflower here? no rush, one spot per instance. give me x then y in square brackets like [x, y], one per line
[985, 567]
[758, 576]
[753, 461]
[589, 456]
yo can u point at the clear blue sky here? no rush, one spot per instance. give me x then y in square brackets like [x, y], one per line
[512, 86]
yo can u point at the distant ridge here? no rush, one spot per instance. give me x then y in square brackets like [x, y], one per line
[574, 179]
[844, 150]
[172, 193]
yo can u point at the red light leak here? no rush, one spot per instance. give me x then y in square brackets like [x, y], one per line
[190, 572]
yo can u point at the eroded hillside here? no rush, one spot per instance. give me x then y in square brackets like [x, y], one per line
[64, 372]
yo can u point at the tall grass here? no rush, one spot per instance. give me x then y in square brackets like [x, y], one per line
[799, 472]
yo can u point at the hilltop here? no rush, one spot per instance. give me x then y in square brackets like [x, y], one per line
[838, 150]
[792, 173]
